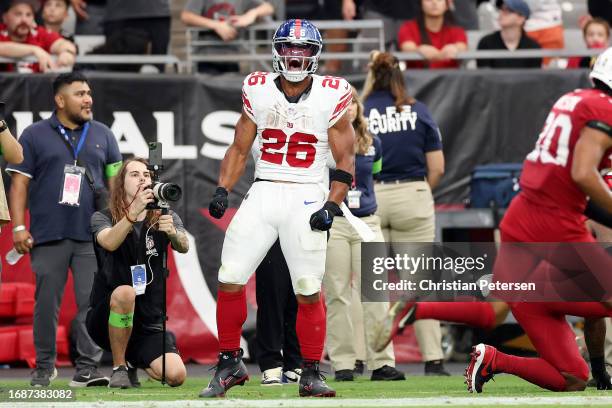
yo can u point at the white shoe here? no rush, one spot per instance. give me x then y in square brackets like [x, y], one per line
[271, 377]
[292, 376]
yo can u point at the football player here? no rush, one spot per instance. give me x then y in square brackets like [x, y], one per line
[296, 118]
[558, 178]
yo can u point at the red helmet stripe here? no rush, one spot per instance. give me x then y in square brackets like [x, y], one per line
[298, 28]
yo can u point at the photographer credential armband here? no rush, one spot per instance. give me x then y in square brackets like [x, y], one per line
[112, 169]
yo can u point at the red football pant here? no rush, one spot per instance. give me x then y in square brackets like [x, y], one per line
[231, 315]
[310, 327]
[554, 340]
[477, 314]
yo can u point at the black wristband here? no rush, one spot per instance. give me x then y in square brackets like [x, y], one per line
[342, 176]
[221, 191]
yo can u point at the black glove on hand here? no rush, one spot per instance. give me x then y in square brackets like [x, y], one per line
[219, 203]
[322, 219]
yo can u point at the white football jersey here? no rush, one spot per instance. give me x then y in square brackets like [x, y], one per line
[292, 137]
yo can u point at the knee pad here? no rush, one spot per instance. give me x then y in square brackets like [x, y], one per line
[307, 285]
[120, 321]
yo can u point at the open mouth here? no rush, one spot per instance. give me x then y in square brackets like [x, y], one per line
[294, 63]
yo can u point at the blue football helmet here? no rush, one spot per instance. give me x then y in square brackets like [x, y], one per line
[296, 47]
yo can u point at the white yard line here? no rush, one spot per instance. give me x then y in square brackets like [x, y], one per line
[332, 402]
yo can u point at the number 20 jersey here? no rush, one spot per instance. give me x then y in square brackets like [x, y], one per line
[292, 137]
[546, 178]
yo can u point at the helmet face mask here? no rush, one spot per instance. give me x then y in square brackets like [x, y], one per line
[602, 69]
[296, 48]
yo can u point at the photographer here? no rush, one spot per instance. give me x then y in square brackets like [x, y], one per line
[125, 314]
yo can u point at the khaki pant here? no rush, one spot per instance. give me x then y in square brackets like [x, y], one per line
[406, 212]
[350, 328]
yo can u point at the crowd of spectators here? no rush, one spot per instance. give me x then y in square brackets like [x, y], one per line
[434, 29]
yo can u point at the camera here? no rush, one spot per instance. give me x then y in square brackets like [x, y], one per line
[162, 192]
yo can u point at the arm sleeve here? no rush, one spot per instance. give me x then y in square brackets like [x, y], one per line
[433, 137]
[48, 38]
[407, 32]
[345, 93]
[28, 166]
[247, 100]
[113, 158]
[377, 165]
[178, 223]
[99, 222]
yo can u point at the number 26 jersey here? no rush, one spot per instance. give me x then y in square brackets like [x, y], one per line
[546, 178]
[292, 137]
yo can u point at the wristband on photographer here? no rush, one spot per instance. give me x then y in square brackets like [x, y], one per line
[19, 228]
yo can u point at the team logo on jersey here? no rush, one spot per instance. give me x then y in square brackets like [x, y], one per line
[371, 151]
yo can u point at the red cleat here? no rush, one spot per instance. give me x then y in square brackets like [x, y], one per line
[480, 370]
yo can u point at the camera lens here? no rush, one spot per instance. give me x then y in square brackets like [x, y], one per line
[170, 192]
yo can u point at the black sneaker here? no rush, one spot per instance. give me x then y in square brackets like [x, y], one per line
[344, 375]
[88, 377]
[387, 373]
[230, 371]
[42, 377]
[312, 383]
[435, 368]
[120, 378]
[359, 368]
[133, 376]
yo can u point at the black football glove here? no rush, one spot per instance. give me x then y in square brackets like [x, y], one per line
[603, 380]
[219, 203]
[322, 219]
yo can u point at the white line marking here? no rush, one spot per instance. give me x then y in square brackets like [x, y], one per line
[335, 402]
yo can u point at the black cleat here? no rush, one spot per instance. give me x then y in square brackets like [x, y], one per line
[344, 375]
[387, 373]
[230, 371]
[436, 368]
[312, 383]
[359, 368]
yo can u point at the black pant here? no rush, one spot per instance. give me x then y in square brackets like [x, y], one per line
[276, 314]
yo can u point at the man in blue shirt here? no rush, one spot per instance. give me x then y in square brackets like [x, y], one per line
[66, 157]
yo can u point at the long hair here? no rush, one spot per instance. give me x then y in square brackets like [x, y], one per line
[363, 139]
[118, 205]
[385, 75]
[420, 20]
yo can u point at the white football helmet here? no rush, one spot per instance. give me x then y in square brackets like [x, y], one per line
[602, 69]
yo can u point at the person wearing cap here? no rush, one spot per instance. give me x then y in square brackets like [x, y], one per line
[511, 18]
[20, 37]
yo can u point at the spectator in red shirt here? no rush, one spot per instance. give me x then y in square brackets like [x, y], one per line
[433, 35]
[21, 37]
[596, 34]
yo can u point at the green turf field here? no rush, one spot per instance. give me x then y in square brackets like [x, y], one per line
[506, 390]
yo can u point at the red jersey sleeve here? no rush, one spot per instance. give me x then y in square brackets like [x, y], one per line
[409, 31]
[47, 38]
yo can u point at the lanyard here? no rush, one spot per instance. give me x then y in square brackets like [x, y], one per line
[81, 140]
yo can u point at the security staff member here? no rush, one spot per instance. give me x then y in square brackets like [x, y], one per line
[343, 268]
[413, 165]
[125, 314]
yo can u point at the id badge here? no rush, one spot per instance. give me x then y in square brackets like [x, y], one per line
[354, 198]
[139, 278]
[71, 186]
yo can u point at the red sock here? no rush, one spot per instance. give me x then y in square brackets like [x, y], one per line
[477, 314]
[231, 315]
[535, 370]
[310, 328]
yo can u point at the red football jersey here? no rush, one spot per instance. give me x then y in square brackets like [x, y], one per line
[546, 178]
